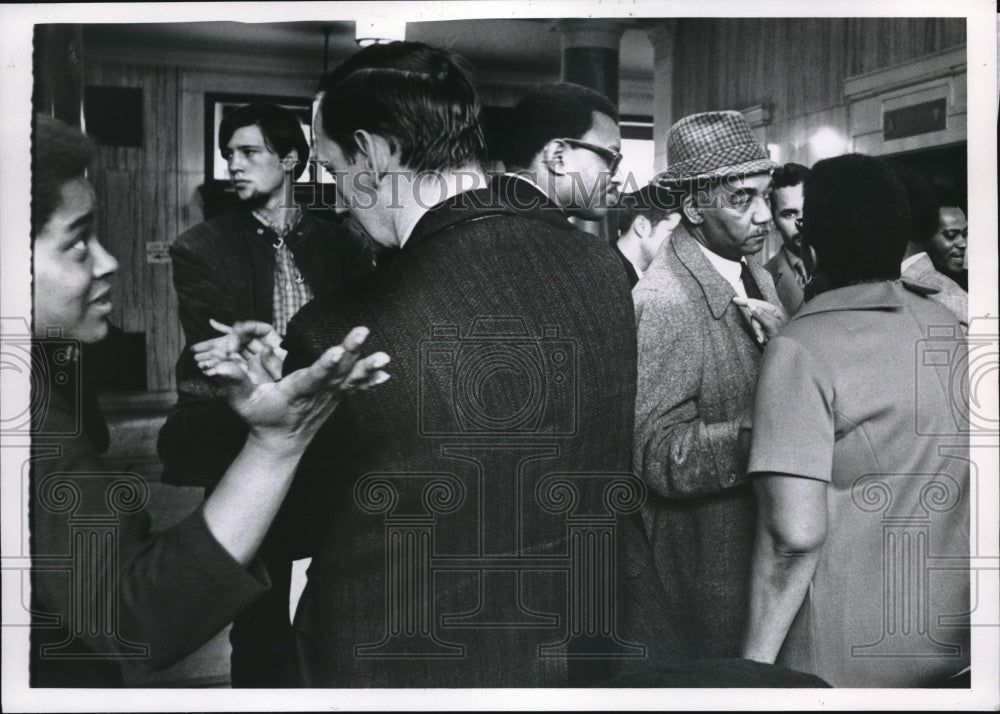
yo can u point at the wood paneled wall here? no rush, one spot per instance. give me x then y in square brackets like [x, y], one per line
[138, 202]
[881, 42]
[797, 66]
[148, 193]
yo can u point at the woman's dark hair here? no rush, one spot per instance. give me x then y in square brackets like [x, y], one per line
[281, 129]
[59, 153]
[923, 202]
[551, 111]
[857, 217]
[421, 99]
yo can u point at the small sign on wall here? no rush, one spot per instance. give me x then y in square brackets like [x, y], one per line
[157, 251]
[917, 119]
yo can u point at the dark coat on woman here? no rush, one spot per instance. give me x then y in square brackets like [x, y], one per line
[107, 594]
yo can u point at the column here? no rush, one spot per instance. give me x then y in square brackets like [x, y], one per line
[58, 61]
[590, 54]
[662, 36]
[590, 58]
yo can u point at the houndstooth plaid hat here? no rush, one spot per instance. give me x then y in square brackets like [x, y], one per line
[712, 145]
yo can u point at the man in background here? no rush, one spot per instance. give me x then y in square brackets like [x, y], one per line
[792, 266]
[936, 239]
[948, 245]
[645, 220]
[566, 152]
[262, 260]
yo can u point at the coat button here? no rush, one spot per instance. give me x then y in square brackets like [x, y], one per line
[260, 231]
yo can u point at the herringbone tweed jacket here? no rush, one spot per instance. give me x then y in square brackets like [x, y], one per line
[698, 364]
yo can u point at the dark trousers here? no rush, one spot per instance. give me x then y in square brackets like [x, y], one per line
[261, 637]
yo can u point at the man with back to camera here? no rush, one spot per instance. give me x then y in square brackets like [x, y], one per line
[263, 260]
[793, 265]
[703, 311]
[645, 220]
[566, 152]
[474, 282]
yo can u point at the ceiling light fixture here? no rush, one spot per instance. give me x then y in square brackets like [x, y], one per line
[379, 31]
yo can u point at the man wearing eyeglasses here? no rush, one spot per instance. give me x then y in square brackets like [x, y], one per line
[793, 265]
[564, 150]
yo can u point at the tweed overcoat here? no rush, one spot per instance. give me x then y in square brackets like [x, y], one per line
[513, 369]
[949, 293]
[697, 366]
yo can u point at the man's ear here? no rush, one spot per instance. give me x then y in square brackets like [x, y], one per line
[554, 155]
[290, 160]
[641, 226]
[691, 210]
[374, 153]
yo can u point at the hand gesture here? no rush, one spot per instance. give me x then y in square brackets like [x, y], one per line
[254, 345]
[764, 318]
[293, 408]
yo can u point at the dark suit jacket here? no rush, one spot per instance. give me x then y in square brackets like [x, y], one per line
[513, 360]
[224, 269]
[698, 364]
[630, 273]
[786, 282]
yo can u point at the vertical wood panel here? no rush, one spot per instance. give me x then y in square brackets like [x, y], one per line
[138, 201]
[881, 42]
[119, 219]
[795, 64]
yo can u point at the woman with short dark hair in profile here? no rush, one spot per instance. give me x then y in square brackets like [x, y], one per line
[106, 592]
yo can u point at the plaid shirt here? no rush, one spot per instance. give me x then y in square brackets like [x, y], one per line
[291, 291]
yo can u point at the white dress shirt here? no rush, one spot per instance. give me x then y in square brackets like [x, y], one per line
[729, 269]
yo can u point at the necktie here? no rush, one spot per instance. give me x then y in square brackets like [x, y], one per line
[749, 284]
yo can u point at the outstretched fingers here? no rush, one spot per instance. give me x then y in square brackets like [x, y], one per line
[367, 373]
[341, 368]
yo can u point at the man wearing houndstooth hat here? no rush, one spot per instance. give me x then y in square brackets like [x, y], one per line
[704, 310]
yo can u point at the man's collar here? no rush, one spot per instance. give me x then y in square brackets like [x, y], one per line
[728, 269]
[525, 177]
[791, 256]
[718, 292]
[506, 195]
[883, 295]
[292, 218]
[911, 260]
